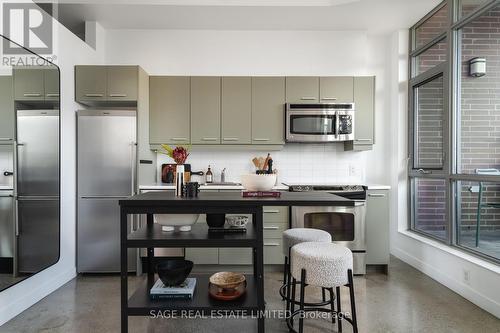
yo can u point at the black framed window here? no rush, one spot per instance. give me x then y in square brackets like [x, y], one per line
[454, 105]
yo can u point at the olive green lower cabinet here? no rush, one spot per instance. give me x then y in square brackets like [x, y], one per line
[202, 255]
[377, 227]
[275, 222]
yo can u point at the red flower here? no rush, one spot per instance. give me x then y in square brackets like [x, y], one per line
[180, 155]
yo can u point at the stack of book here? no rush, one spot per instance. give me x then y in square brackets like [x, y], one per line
[183, 291]
[261, 194]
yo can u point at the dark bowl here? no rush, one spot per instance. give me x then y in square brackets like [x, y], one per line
[216, 220]
[173, 272]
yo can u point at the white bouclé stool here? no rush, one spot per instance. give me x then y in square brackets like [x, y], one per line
[324, 265]
[293, 237]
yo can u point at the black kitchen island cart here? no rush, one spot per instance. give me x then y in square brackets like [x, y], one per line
[151, 236]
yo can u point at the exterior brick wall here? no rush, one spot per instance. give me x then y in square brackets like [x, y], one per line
[480, 119]
[430, 124]
[430, 205]
[480, 115]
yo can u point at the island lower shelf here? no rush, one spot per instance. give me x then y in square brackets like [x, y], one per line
[199, 236]
[140, 303]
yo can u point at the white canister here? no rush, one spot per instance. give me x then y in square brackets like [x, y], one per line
[179, 180]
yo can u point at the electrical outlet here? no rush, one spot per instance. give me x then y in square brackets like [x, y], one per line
[353, 171]
[466, 276]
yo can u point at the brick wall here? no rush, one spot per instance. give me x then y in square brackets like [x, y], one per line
[480, 118]
[430, 206]
[480, 114]
[430, 124]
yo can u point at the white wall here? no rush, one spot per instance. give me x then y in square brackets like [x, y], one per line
[202, 52]
[442, 263]
[69, 51]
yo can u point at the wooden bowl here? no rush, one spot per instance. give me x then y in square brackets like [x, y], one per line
[227, 280]
[223, 294]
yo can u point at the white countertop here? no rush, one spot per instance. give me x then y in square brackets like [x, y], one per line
[281, 187]
[379, 187]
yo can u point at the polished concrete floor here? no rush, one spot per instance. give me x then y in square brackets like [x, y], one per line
[403, 301]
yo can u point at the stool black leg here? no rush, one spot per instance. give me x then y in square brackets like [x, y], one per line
[339, 310]
[292, 303]
[323, 294]
[353, 303]
[285, 277]
[332, 304]
[302, 296]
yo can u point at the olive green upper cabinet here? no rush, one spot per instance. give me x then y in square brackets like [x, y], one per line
[268, 99]
[205, 110]
[364, 127]
[6, 110]
[302, 89]
[29, 84]
[122, 83]
[336, 89]
[90, 83]
[51, 82]
[169, 108]
[236, 110]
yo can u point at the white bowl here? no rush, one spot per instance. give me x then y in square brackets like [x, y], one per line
[254, 182]
[170, 221]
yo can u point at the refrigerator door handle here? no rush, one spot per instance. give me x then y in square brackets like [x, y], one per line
[37, 198]
[16, 217]
[14, 167]
[134, 162]
[110, 197]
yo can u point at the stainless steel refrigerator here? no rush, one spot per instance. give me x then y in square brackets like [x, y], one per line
[107, 152]
[37, 189]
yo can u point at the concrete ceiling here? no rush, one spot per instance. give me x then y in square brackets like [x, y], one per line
[377, 16]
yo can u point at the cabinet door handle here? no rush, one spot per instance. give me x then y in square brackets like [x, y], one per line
[230, 139]
[363, 140]
[308, 98]
[32, 94]
[94, 95]
[271, 228]
[261, 139]
[117, 95]
[52, 95]
[179, 139]
[271, 211]
[209, 139]
[329, 98]
[271, 244]
[376, 195]
[425, 172]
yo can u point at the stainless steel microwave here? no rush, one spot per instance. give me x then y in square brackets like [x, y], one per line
[325, 122]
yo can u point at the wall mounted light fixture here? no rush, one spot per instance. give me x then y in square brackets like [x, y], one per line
[477, 67]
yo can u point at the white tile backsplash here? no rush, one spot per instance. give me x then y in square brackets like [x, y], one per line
[296, 163]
